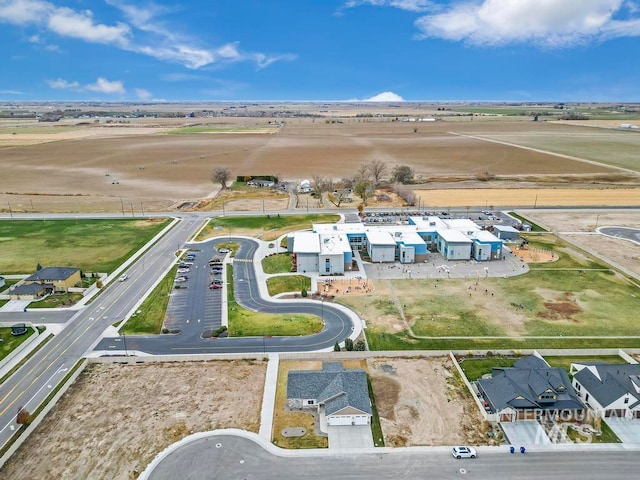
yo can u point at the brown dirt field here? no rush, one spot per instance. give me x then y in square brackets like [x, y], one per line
[620, 252]
[421, 402]
[116, 418]
[534, 255]
[160, 170]
[528, 197]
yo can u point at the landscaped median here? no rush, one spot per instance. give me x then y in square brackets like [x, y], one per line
[247, 323]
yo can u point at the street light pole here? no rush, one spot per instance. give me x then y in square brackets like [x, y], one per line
[124, 341]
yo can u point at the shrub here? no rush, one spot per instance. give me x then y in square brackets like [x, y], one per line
[304, 292]
[23, 417]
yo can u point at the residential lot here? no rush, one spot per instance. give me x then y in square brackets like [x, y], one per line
[116, 418]
[422, 401]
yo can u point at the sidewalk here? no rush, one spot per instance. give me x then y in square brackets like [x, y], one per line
[269, 397]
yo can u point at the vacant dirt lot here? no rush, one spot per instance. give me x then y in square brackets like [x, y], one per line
[576, 226]
[116, 418]
[421, 402]
[148, 168]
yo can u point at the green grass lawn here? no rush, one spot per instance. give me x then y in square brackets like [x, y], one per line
[277, 263]
[91, 245]
[57, 301]
[246, 323]
[9, 342]
[474, 368]
[3, 302]
[152, 311]
[376, 427]
[232, 246]
[288, 283]
[607, 435]
[566, 361]
[258, 224]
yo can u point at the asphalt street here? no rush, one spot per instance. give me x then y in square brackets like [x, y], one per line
[632, 234]
[227, 457]
[31, 384]
[337, 324]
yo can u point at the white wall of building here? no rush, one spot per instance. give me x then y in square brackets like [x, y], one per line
[348, 420]
[382, 253]
[481, 252]
[307, 262]
[330, 264]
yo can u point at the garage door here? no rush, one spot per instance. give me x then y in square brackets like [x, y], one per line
[618, 413]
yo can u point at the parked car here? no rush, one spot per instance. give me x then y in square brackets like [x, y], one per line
[215, 286]
[183, 270]
[181, 279]
[464, 452]
[224, 250]
[123, 277]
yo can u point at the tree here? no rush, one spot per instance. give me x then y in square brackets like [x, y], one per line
[221, 175]
[377, 170]
[339, 196]
[38, 267]
[402, 174]
[363, 190]
[348, 344]
[23, 417]
[336, 347]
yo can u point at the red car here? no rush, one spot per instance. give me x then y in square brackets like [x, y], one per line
[214, 286]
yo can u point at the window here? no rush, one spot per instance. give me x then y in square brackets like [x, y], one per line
[626, 400]
[327, 265]
[586, 398]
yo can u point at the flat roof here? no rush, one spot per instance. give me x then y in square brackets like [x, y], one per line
[306, 242]
[461, 224]
[429, 224]
[410, 238]
[338, 227]
[506, 228]
[334, 244]
[453, 236]
[485, 236]
[377, 237]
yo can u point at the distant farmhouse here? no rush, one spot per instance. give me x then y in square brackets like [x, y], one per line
[339, 396]
[530, 390]
[328, 248]
[46, 281]
[609, 390]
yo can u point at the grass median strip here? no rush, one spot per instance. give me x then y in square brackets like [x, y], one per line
[150, 316]
[247, 323]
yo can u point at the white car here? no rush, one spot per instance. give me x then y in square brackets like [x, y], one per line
[123, 277]
[464, 452]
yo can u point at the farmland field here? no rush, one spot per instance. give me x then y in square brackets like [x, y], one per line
[91, 245]
[140, 167]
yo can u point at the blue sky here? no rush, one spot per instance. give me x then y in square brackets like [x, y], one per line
[325, 50]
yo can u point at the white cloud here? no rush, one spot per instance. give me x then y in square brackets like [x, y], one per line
[143, 94]
[61, 84]
[409, 5]
[69, 23]
[385, 97]
[549, 23]
[103, 85]
[157, 40]
[11, 92]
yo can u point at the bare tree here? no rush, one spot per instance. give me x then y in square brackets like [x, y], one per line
[221, 175]
[338, 196]
[377, 169]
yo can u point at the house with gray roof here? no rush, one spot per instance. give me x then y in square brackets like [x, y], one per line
[609, 390]
[31, 291]
[339, 396]
[530, 390]
[62, 278]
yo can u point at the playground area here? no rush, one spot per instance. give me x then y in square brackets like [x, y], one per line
[350, 286]
[534, 255]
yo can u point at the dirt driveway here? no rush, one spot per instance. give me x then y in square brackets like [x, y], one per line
[421, 402]
[116, 418]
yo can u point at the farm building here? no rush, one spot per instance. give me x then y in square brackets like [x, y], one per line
[609, 390]
[506, 232]
[339, 396]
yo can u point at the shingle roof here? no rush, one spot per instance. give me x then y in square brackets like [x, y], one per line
[521, 385]
[614, 381]
[51, 274]
[335, 387]
[30, 289]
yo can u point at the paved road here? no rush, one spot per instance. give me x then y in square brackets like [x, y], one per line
[632, 234]
[30, 385]
[338, 324]
[227, 457]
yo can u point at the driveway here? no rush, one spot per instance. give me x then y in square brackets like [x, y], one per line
[525, 432]
[628, 431]
[350, 436]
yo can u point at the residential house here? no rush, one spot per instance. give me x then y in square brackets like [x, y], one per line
[530, 390]
[338, 396]
[60, 277]
[609, 390]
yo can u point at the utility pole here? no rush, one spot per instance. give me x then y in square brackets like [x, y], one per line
[124, 341]
[142, 208]
[10, 212]
[122, 205]
[132, 214]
